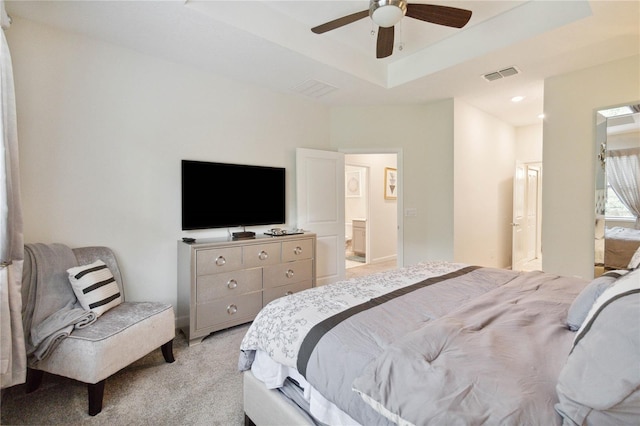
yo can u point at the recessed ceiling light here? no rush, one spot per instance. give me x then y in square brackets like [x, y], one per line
[517, 98]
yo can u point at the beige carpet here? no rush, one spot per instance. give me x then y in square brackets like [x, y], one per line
[203, 387]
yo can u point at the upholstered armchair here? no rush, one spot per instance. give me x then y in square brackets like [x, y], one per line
[122, 334]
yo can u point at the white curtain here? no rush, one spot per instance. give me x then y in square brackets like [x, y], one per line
[13, 361]
[623, 174]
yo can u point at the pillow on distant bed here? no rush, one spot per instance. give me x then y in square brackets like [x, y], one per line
[587, 297]
[600, 381]
[635, 260]
[95, 287]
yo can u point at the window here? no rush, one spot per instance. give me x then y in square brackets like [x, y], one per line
[614, 207]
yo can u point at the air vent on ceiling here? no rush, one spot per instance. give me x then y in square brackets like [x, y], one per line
[496, 75]
[314, 88]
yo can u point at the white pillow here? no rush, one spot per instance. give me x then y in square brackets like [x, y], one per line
[600, 382]
[95, 287]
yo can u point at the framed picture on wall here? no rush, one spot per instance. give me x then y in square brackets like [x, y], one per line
[353, 184]
[390, 183]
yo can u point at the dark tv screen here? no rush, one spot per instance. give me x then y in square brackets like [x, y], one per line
[220, 195]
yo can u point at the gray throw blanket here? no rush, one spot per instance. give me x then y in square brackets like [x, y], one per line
[51, 309]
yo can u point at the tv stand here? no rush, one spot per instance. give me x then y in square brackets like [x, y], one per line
[224, 282]
[243, 235]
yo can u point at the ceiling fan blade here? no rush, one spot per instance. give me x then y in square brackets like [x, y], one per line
[337, 23]
[441, 15]
[384, 47]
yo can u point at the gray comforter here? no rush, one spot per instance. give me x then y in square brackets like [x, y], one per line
[459, 345]
[495, 360]
[345, 337]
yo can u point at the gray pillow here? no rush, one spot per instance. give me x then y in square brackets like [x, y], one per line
[585, 300]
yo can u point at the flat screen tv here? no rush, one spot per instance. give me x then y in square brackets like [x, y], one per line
[221, 195]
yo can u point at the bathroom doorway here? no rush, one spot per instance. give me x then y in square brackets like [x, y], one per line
[371, 223]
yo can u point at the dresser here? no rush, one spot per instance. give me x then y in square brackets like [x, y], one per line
[224, 282]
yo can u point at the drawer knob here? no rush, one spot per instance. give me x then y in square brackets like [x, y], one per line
[297, 250]
[221, 261]
[289, 273]
[263, 255]
[232, 284]
[289, 293]
[232, 309]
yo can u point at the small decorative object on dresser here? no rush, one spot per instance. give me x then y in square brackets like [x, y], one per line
[224, 282]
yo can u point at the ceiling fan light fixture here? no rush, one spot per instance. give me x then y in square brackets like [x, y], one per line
[387, 13]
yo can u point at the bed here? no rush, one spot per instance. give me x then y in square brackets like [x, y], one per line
[446, 343]
[619, 246]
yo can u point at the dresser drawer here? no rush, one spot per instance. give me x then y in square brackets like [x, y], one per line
[285, 290]
[234, 283]
[215, 260]
[297, 250]
[287, 273]
[261, 254]
[229, 309]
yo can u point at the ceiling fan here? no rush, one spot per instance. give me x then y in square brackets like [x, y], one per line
[387, 13]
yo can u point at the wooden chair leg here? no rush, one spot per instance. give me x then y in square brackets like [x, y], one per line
[96, 392]
[34, 378]
[167, 351]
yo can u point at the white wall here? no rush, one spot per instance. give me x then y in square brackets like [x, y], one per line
[463, 196]
[102, 130]
[623, 140]
[484, 160]
[570, 104]
[529, 143]
[424, 135]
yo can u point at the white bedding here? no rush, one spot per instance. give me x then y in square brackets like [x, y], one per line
[281, 326]
[273, 376]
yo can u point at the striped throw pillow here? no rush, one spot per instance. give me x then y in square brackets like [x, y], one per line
[95, 287]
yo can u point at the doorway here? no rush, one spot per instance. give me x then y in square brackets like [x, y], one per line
[527, 200]
[371, 216]
[320, 196]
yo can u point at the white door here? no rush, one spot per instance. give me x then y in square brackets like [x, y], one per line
[320, 204]
[527, 184]
[518, 249]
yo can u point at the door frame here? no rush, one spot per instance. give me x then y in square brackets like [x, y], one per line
[537, 166]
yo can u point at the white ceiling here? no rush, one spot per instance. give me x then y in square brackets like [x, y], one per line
[269, 44]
